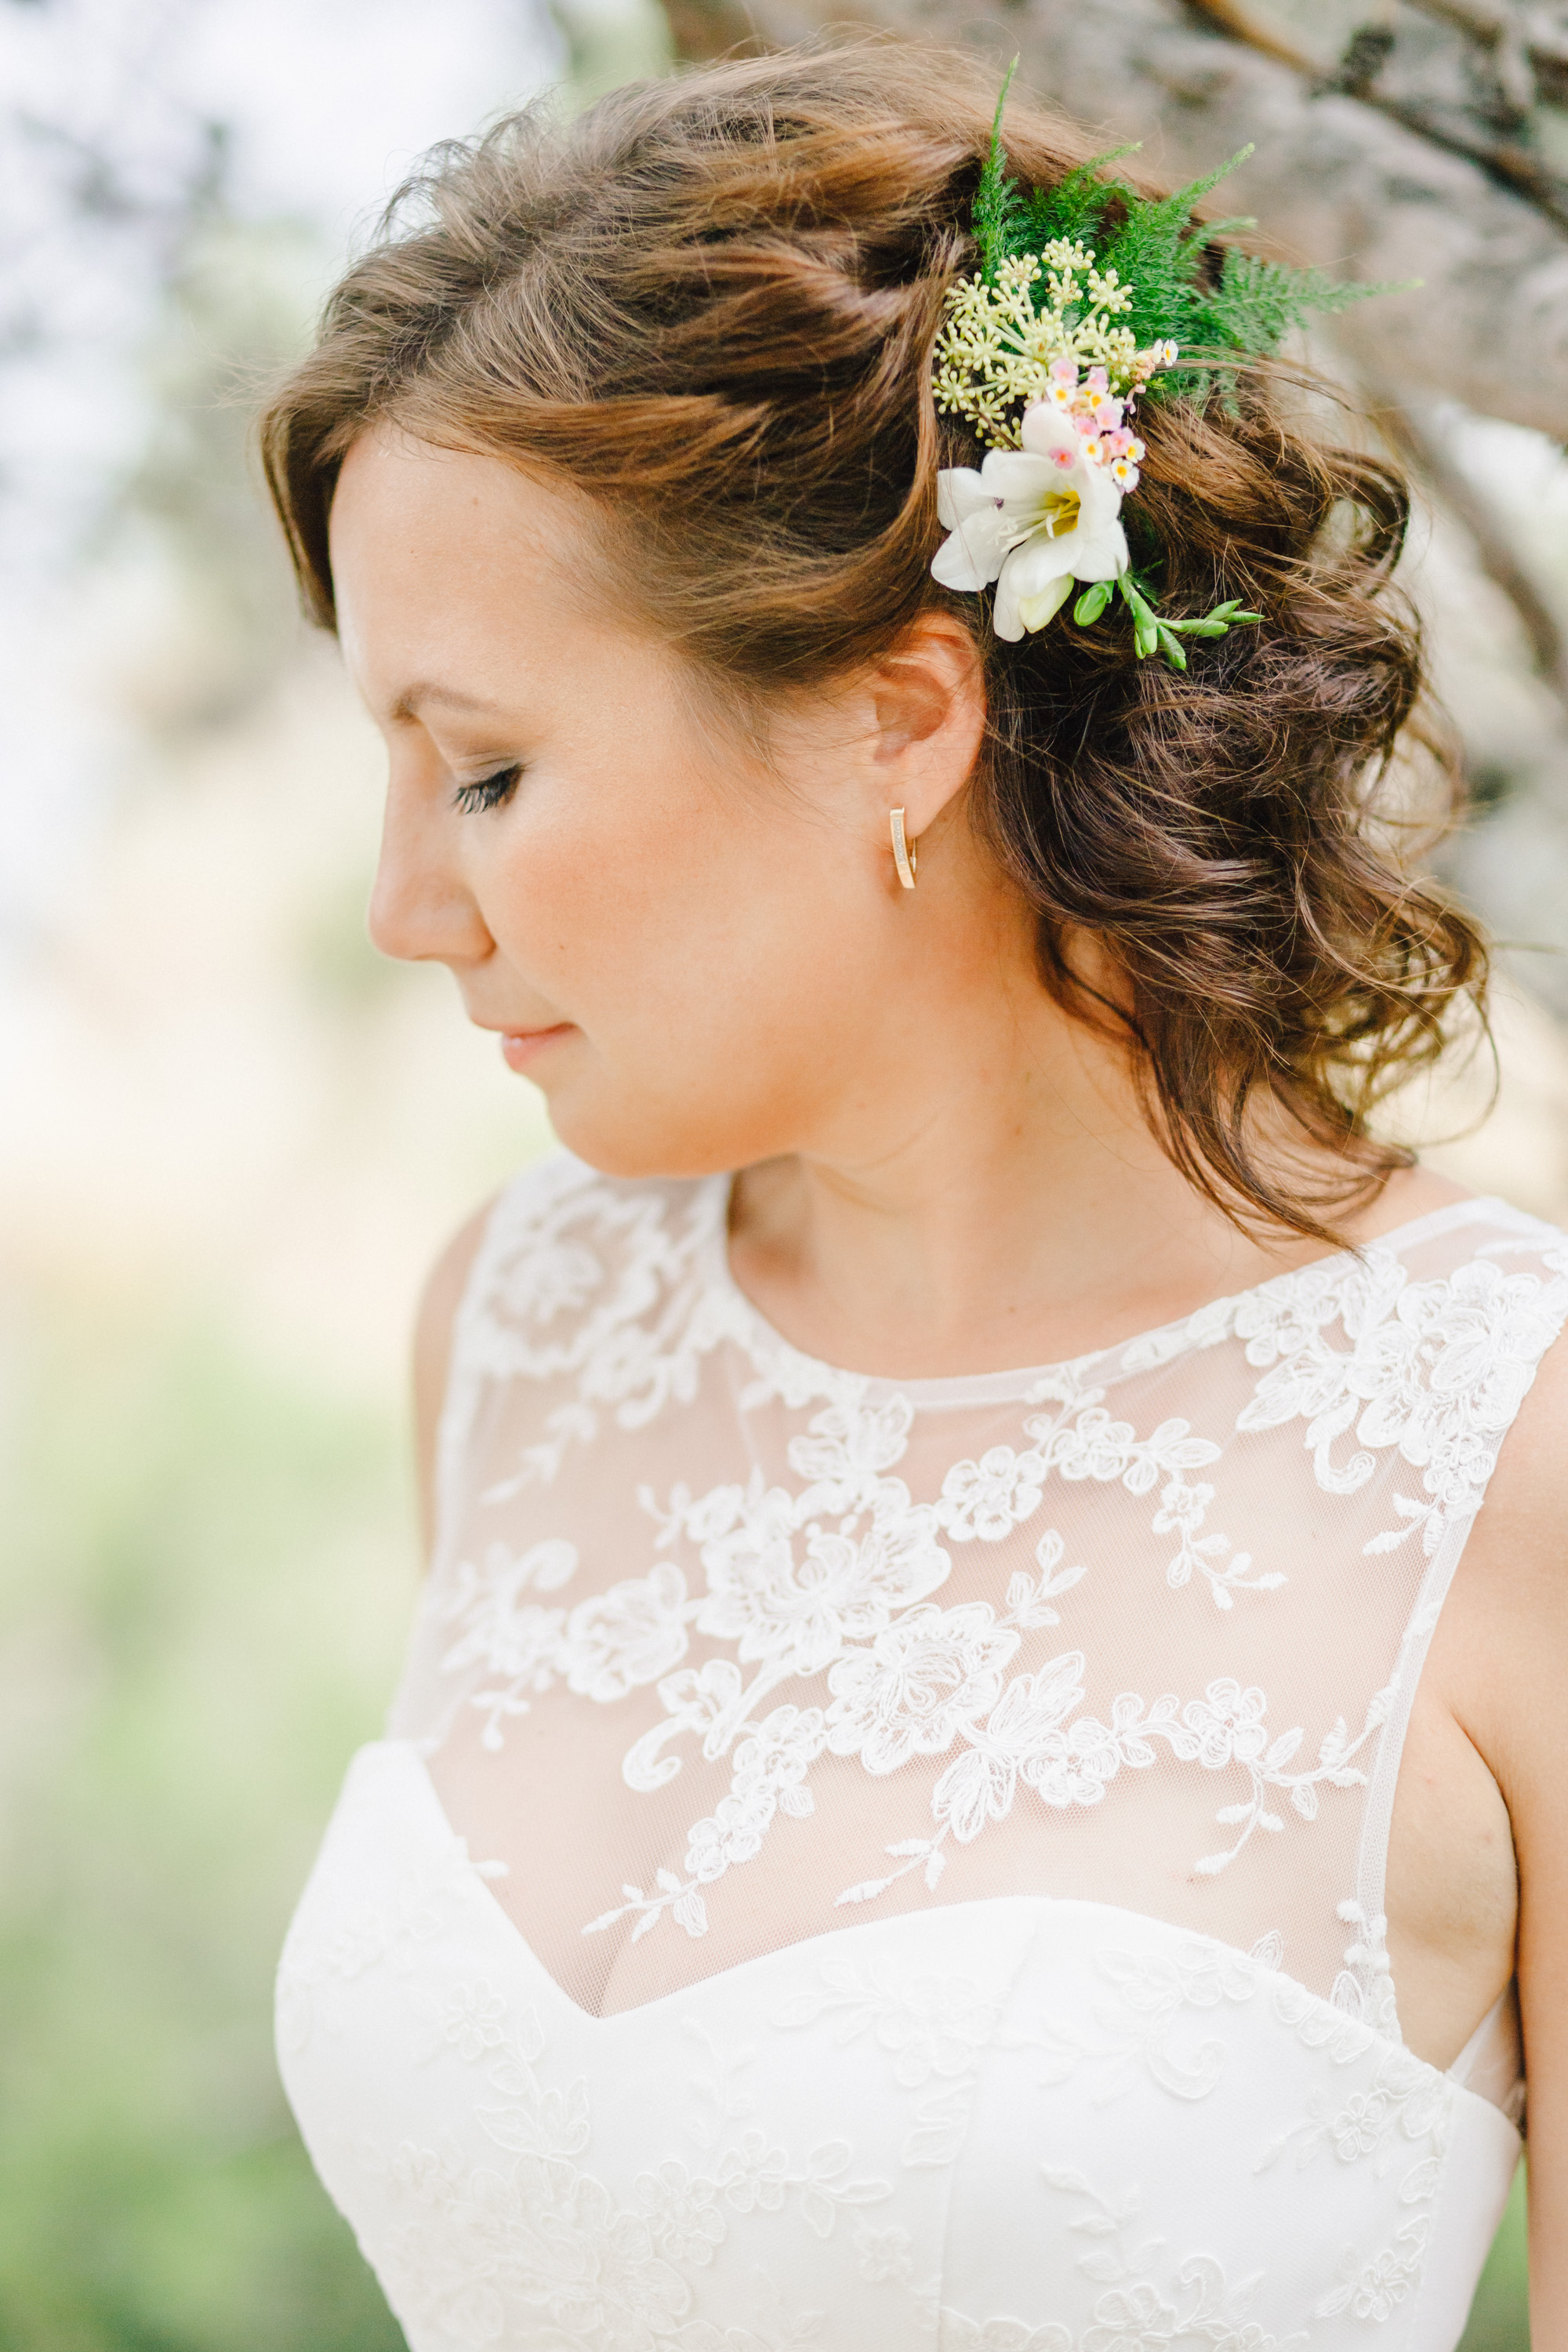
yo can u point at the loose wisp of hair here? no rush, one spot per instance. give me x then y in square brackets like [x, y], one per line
[709, 304]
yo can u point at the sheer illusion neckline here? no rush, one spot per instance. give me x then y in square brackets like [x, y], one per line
[1161, 1342]
[847, 1934]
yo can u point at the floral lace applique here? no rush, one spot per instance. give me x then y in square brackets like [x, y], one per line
[956, 2332]
[1083, 1442]
[1437, 1368]
[884, 2257]
[554, 2238]
[312, 1972]
[591, 1281]
[934, 2028]
[1404, 2106]
[1364, 1986]
[1197, 2303]
[1142, 2022]
[1374, 2287]
[1398, 2113]
[906, 1678]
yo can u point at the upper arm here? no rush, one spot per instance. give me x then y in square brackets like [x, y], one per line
[439, 1304]
[1512, 1591]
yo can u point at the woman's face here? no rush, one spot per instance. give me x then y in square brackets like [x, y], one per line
[700, 953]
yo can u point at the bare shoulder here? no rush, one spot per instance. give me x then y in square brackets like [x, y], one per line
[1510, 1601]
[439, 1304]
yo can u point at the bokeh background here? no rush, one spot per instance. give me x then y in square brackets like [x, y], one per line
[233, 1138]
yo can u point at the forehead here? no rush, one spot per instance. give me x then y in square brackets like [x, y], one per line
[451, 561]
[398, 498]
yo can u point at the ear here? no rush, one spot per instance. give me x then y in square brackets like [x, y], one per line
[928, 699]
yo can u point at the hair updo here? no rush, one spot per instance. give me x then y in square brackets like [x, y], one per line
[709, 303]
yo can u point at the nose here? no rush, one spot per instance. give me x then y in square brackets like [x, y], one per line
[421, 908]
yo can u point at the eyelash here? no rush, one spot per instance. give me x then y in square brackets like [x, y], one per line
[487, 792]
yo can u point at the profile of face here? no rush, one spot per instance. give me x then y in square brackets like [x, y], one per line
[694, 940]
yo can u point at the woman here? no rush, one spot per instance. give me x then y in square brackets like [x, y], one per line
[878, 1847]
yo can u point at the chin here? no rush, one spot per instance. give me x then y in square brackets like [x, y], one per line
[632, 1139]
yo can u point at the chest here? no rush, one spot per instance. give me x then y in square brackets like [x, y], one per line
[1016, 2126]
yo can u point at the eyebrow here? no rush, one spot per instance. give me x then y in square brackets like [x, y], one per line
[408, 703]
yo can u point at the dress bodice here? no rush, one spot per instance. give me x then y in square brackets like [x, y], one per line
[858, 1865]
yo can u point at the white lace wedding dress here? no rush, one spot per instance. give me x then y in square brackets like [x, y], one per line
[869, 1865]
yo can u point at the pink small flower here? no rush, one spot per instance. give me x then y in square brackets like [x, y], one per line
[1118, 442]
[1064, 372]
[1096, 381]
[1064, 458]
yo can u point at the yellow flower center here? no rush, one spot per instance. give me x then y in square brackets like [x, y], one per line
[1058, 512]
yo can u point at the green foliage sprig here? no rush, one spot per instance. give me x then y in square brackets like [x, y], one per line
[1152, 631]
[1092, 274]
[1161, 256]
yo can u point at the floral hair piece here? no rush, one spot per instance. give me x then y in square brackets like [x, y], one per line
[1087, 295]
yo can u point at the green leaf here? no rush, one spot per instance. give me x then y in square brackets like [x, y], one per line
[1134, 599]
[1218, 623]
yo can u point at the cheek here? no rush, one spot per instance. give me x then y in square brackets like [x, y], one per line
[708, 959]
[624, 904]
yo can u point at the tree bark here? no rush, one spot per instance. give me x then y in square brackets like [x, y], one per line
[1334, 180]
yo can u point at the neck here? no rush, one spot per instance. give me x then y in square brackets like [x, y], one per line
[995, 1199]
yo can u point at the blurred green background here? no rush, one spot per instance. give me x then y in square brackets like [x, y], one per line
[235, 1139]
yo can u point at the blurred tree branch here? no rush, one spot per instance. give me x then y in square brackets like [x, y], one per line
[1424, 451]
[1358, 165]
[1476, 87]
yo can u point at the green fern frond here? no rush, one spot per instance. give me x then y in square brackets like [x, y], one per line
[999, 214]
[1151, 280]
[1076, 208]
[1159, 254]
[1258, 303]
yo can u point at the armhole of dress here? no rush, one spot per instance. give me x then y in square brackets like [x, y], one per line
[467, 1367]
[1365, 1985]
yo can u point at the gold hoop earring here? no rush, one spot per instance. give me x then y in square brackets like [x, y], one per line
[905, 854]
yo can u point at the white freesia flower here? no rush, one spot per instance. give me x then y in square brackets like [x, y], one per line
[1033, 519]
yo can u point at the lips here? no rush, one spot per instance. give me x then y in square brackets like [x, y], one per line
[521, 1048]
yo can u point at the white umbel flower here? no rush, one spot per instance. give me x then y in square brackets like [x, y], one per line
[1033, 519]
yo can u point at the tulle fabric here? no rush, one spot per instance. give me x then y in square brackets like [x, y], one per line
[723, 1648]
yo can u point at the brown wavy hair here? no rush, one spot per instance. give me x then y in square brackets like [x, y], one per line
[709, 303]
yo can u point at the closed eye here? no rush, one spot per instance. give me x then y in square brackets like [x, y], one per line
[487, 791]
